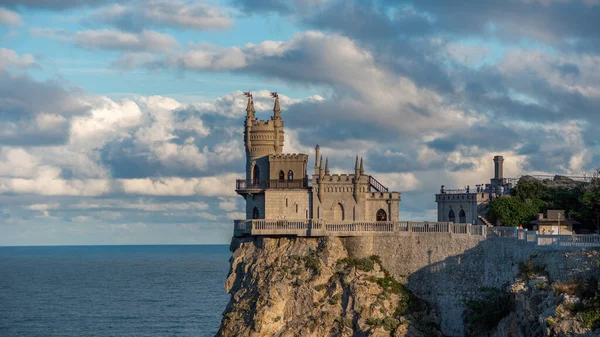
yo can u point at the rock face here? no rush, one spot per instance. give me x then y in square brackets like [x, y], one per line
[310, 287]
[542, 310]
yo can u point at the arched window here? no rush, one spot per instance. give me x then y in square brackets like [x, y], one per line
[451, 216]
[462, 216]
[255, 213]
[381, 215]
[290, 175]
[296, 208]
[286, 202]
[338, 212]
[281, 176]
[256, 175]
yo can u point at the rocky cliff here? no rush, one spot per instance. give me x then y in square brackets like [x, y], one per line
[547, 308]
[287, 286]
[311, 287]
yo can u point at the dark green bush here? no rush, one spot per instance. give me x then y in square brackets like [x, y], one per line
[483, 315]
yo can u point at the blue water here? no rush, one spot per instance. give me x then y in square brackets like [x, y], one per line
[112, 290]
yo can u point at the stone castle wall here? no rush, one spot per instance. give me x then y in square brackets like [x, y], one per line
[281, 204]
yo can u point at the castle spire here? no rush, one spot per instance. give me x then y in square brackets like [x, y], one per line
[321, 164]
[276, 108]
[250, 105]
[362, 170]
[326, 166]
[317, 150]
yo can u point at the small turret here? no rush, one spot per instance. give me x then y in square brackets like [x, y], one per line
[326, 166]
[356, 168]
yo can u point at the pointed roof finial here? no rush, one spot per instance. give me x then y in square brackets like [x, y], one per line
[276, 108]
[250, 105]
[356, 164]
[362, 170]
[326, 165]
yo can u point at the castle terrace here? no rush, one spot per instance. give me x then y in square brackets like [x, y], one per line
[311, 228]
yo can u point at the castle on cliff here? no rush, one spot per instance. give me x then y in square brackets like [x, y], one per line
[277, 185]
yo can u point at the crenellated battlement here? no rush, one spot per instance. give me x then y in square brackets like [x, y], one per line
[384, 195]
[289, 156]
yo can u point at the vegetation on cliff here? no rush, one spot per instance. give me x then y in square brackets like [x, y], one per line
[581, 201]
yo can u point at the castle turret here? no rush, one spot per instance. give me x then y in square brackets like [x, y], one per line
[326, 166]
[278, 126]
[498, 167]
[356, 169]
[498, 179]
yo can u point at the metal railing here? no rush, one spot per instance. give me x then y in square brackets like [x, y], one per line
[243, 184]
[377, 185]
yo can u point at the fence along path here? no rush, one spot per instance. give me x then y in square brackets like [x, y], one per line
[350, 228]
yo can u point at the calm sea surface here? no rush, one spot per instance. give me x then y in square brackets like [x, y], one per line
[112, 290]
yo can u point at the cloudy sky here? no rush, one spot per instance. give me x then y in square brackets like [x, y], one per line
[121, 122]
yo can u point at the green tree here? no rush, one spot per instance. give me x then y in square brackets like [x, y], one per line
[512, 211]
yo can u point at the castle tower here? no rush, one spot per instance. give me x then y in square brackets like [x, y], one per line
[262, 138]
[498, 171]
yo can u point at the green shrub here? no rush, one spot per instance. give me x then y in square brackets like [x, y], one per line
[374, 321]
[364, 264]
[335, 299]
[343, 322]
[390, 324]
[313, 263]
[528, 270]
[590, 318]
[483, 315]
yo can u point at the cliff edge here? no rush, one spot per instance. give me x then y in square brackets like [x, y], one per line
[312, 287]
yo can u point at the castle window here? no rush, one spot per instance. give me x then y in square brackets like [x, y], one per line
[286, 202]
[462, 217]
[290, 175]
[296, 208]
[256, 175]
[255, 213]
[451, 216]
[381, 215]
[338, 212]
[281, 176]
[306, 214]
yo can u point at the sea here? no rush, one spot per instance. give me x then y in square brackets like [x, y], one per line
[80, 291]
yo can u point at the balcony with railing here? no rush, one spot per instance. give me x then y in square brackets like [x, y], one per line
[321, 228]
[247, 185]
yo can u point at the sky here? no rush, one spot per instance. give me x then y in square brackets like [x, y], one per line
[121, 122]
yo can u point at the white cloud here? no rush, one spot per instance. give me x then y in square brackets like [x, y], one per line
[221, 185]
[10, 58]
[9, 18]
[146, 40]
[228, 204]
[173, 13]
